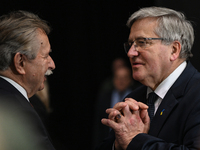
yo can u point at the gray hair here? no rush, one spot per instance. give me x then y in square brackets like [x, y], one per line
[18, 30]
[172, 26]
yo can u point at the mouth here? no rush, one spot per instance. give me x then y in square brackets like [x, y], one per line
[136, 64]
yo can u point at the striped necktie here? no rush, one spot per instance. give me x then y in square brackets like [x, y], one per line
[150, 102]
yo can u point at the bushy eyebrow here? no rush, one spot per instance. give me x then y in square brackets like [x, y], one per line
[139, 37]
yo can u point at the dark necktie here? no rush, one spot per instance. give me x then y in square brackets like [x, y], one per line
[150, 102]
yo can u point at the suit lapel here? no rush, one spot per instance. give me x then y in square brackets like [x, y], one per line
[164, 110]
[171, 99]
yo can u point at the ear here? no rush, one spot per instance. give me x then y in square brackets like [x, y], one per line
[176, 49]
[19, 62]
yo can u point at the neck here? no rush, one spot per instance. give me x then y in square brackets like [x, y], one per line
[15, 77]
[154, 83]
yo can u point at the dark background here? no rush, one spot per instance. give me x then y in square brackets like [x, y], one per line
[87, 35]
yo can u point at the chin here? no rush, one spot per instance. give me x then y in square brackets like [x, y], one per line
[136, 77]
[41, 87]
[139, 75]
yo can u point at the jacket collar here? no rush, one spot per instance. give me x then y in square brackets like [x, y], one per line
[171, 99]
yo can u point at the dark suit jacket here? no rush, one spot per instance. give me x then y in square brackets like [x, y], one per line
[40, 108]
[24, 128]
[176, 124]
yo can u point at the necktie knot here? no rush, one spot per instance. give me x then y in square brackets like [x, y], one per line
[152, 97]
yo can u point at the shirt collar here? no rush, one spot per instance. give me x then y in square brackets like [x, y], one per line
[165, 85]
[17, 86]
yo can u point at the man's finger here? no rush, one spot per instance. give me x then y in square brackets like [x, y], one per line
[133, 105]
[142, 105]
[110, 123]
[120, 105]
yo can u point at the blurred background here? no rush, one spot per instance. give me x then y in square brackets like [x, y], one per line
[87, 36]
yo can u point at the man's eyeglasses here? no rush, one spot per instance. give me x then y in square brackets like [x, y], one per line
[139, 43]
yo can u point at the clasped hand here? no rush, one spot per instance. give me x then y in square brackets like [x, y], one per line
[134, 120]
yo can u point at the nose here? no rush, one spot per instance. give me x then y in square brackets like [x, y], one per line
[51, 63]
[132, 52]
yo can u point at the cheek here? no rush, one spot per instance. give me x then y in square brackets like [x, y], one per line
[43, 67]
[156, 59]
[153, 66]
[151, 62]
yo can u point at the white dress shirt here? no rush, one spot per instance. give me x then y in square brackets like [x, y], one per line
[17, 86]
[166, 84]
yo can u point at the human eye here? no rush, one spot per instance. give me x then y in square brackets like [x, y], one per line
[130, 44]
[45, 56]
[140, 42]
[48, 54]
